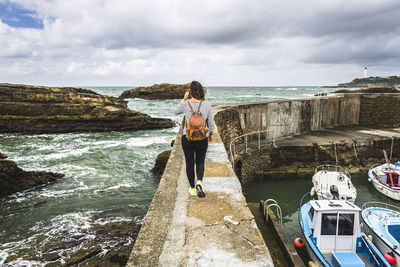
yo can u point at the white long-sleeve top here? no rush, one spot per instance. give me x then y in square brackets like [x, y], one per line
[205, 111]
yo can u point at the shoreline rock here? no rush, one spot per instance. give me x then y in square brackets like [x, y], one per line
[161, 162]
[39, 109]
[14, 179]
[376, 89]
[157, 91]
[371, 90]
[111, 246]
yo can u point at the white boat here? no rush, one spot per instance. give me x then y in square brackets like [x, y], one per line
[333, 182]
[332, 234]
[385, 178]
[382, 221]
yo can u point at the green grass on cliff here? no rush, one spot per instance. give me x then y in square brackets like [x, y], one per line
[391, 80]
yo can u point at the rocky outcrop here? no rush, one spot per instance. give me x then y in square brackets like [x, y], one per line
[110, 246]
[14, 179]
[161, 162]
[371, 89]
[157, 91]
[39, 109]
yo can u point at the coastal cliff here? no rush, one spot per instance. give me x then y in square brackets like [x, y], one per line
[14, 179]
[40, 109]
[370, 81]
[157, 91]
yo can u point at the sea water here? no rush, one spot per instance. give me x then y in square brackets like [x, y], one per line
[107, 175]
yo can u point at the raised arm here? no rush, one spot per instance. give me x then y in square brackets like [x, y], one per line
[179, 108]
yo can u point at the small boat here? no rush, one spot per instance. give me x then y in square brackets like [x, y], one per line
[333, 182]
[385, 178]
[332, 234]
[382, 221]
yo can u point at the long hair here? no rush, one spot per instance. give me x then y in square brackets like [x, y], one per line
[197, 90]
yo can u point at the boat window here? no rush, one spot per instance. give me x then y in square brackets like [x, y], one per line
[328, 224]
[346, 224]
[311, 213]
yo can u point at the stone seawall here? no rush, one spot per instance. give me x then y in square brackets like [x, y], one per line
[283, 119]
[380, 109]
[301, 161]
[290, 117]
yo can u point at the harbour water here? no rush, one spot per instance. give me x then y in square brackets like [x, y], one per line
[288, 194]
[108, 179]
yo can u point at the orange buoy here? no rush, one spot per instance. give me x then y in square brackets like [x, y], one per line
[298, 242]
[390, 257]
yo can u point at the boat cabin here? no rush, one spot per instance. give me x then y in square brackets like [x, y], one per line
[334, 224]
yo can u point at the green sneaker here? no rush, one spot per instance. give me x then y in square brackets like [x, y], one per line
[192, 191]
[200, 189]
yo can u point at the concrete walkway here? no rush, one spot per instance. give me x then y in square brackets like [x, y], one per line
[218, 230]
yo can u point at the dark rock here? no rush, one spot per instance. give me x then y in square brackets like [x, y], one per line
[371, 89]
[14, 179]
[39, 109]
[120, 235]
[111, 246]
[157, 91]
[161, 162]
[3, 156]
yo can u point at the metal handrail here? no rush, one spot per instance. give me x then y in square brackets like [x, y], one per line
[232, 151]
[268, 206]
[330, 167]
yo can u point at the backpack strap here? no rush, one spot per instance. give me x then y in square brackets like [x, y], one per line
[191, 108]
[198, 110]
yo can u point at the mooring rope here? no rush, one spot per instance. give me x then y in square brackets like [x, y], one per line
[354, 147]
[336, 156]
[391, 150]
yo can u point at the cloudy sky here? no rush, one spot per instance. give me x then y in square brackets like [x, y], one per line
[223, 42]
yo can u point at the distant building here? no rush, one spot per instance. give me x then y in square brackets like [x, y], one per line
[365, 72]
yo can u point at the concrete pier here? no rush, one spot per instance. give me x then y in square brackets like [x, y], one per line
[184, 230]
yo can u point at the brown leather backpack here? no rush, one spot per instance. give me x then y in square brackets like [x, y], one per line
[196, 129]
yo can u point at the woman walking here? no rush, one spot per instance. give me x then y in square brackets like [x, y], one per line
[193, 148]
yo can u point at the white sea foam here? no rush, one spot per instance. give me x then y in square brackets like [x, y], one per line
[3, 257]
[143, 142]
[252, 96]
[60, 154]
[115, 188]
[62, 193]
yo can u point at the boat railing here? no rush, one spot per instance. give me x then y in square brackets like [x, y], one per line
[374, 166]
[332, 168]
[305, 199]
[268, 205]
[373, 204]
[390, 167]
[371, 252]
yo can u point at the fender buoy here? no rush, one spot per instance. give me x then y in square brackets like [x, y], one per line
[390, 257]
[298, 242]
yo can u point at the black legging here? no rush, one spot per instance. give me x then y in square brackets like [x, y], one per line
[192, 148]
